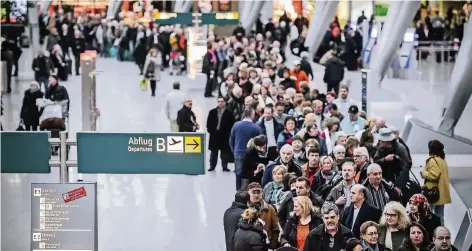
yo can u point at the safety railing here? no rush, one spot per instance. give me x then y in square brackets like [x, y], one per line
[439, 53]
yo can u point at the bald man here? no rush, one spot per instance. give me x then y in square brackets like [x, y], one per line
[442, 240]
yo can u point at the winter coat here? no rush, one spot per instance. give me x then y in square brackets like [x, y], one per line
[250, 237]
[231, 219]
[290, 230]
[436, 174]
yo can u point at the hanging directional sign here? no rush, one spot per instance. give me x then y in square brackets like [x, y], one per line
[141, 153]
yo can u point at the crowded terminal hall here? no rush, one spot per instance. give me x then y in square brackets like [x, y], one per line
[310, 168]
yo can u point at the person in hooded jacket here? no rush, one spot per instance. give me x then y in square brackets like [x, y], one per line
[232, 216]
[304, 220]
[29, 110]
[250, 235]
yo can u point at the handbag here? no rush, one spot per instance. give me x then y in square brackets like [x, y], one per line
[21, 126]
[143, 84]
[412, 187]
[432, 194]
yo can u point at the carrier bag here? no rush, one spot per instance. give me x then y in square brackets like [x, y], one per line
[143, 84]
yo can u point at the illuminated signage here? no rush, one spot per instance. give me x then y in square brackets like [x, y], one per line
[227, 16]
[220, 18]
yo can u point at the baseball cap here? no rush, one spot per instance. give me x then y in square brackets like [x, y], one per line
[254, 185]
[296, 62]
[353, 109]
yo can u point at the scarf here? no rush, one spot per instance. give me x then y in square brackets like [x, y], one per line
[367, 247]
[275, 192]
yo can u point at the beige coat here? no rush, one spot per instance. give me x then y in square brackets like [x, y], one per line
[436, 174]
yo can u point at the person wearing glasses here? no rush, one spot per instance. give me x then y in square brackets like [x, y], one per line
[331, 235]
[442, 240]
[393, 226]
[370, 237]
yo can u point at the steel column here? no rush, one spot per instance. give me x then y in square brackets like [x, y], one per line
[322, 25]
[393, 36]
[319, 8]
[460, 87]
[187, 6]
[178, 5]
[253, 15]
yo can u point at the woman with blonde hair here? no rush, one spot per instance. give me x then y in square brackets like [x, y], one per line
[324, 176]
[394, 225]
[305, 218]
[152, 66]
[251, 235]
[273, 191]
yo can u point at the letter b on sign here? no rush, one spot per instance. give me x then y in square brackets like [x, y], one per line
[160, 145]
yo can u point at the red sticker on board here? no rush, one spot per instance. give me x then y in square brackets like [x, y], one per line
[74, 194]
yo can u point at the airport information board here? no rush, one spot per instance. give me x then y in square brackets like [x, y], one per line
[141, 153]
[64, 217]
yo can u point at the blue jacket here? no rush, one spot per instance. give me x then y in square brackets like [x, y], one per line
[241, 133]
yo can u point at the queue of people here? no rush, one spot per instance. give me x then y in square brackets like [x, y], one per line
[312, 171]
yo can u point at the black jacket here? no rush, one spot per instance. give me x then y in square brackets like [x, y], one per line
[396, 170]
[250, 237]
[278, 128]
[230, 222]
[306, 67]
[334, 71]
[316, 238]
[186, 120]
[290, 230]
[44, 66]
[251, 160]
[219, 139]
[389, 188]
[29, 110]
[367, 212]
[286, 207]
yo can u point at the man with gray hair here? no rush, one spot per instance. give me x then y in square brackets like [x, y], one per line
[331, 235]
[382, 191]
[360, 210]
[285, 159]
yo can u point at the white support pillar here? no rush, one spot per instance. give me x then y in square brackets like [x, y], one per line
[319, 7]
[322, 25]
[113, 7]
[178, 6]
[460, 89]
[246, 12]
[378, 52]
[393, 34]
[253, 15]
[187, 6]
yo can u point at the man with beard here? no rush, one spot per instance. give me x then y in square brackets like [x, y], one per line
[329, 236]
[341, 193]
[442, 240]
[268, 214]
[285, 159]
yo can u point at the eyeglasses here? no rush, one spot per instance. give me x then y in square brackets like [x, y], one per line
[443, 238]
[390, 215]
[373, 234]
